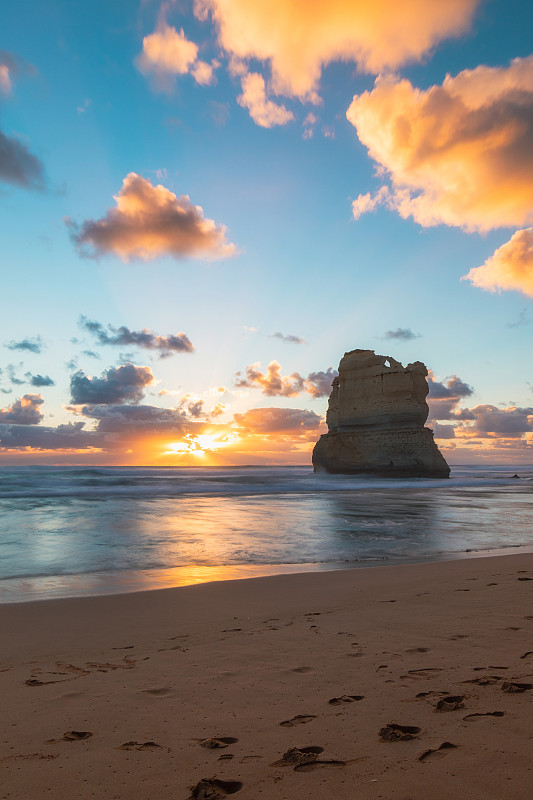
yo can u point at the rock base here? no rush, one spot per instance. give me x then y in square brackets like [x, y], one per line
[402, 453]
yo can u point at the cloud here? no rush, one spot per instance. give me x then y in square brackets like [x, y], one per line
[264, 112]
[444, 398]
[318, 384]
[63, 437]
[25, 411]
[278, 420]
[365, 203]
[271, 382]
[11, 66]
[31, 344]
[204, 73]
[19, 166]
[523, 319]
[509, 268]
[164, 345]
[287, 338]
[274, 384]
[460, 153]
[137, 419]
[492, 422]
[166, 53]
[402, 334]
[149, 222]
[299, 39]
[443, 431]
[123, 384]
[39, 380]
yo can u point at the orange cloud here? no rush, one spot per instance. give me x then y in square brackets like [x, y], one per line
[273, 383]
[168, 52]
[460, 153]
[511, 266]
[264, 112]
[300, 38]
[149, 222]
[268, 421]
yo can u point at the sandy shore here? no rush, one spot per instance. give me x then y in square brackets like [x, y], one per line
[117, 697]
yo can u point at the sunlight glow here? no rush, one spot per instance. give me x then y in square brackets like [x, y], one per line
[202, 443]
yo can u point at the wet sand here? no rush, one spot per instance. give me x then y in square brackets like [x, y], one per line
[410, 682]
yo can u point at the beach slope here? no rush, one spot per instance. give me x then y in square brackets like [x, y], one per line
[402, 682]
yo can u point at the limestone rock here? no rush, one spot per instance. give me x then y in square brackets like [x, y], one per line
[376, 415]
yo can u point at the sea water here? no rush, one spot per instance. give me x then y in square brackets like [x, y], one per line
[68, 531]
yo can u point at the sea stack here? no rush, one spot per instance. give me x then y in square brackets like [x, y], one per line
[376, 415]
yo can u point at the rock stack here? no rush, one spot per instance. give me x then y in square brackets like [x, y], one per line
[376, 415]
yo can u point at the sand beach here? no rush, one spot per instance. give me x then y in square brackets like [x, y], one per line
[402, 682]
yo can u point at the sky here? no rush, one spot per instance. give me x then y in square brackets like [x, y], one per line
[204, 204]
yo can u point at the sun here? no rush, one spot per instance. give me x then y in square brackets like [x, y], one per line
[201, 443]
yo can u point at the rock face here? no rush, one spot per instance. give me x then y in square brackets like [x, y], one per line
[376, 415]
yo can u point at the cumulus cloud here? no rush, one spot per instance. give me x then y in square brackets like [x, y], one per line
[31, 344]
[164, 345]
[64, 437]
[401, 334]
[39, 380]
[443, 431]
[274, 384]
[364, 203]
[137, 419]
[444, 398]
[167, 52]
[149, 222]
[510, 267]
[318, 384]
[460, 153]
[271, 382]
[278, 420]
[491, 422]
[264, 112]
[25, 411]
[299, 39]
[288, 338]
[123, 384]
[18, 165]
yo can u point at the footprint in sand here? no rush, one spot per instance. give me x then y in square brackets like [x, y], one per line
[486, 680]
[397, 733]
[440, 752]
[213, 789]
[417, 650]
[216, 742]
[301, 670]
[163, 691]
[140, 746]
[305, 759]
[63, 672]
[346, 698]
[297, 756]
[71, 736]
[299, 719]
[516, 688]
[450, 703]
[479, 714]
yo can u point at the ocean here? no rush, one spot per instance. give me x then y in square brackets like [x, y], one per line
[75, 531]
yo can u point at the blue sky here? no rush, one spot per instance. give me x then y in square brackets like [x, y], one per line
[79, 101]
